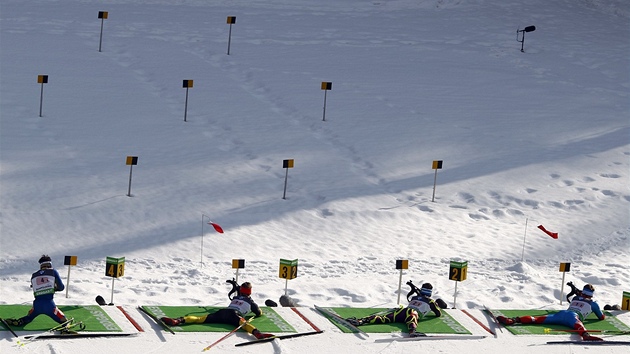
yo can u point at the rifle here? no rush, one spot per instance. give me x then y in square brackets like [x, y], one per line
[574, 291]
[235, 288]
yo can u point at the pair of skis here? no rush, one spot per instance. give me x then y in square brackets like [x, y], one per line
[64, 326]
[342, 321]
[428, 337]
[316, 330]
[281, 337]
[586, 342]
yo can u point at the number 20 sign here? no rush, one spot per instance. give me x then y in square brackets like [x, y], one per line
[458, 270]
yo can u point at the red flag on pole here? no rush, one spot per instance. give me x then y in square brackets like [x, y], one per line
[552, 234]
[216, 227]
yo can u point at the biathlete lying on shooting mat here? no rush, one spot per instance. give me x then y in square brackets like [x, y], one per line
[419, 306]
[580, 307]
[240, 306]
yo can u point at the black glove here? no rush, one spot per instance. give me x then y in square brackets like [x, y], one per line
[271, 303]
[441, 304]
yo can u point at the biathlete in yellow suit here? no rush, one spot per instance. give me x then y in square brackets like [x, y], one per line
[239, 307]
[419, 306]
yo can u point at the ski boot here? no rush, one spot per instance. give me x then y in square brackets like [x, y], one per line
[588, 337]
[507, 320]
[15, 322]
[259, 335]
[355, 321]
[173, 321]
[413, 333]
[72, 328]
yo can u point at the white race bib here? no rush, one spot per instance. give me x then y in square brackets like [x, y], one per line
[422, 307]
[583, 308]
[241, 306]
[43, 284]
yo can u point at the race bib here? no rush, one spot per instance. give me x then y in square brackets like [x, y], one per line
[243, 307]
[422, 307]
[583, 308]
[43, 284]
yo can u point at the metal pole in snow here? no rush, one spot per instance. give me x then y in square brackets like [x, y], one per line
[324, 115]
[68, 282]
[41, 100]
[100, 41]
[399, 287]
[434, 183]
[130, 172]
[286, 177]
[111, 302]
[186, 105]
[455, 296]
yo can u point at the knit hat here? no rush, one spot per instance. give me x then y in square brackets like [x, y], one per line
[588, 290]
[426, 290]
[45, 261]
[245, 289]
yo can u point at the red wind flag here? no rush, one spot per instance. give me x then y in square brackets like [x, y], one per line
[552, 234]
[216, 227]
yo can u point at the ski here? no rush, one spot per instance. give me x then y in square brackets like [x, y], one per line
[63, 325]
[340, 320]
[297, 312]
[156, 319]
[479, 322]
[81, 335]
[286, 336]
[428, 337]
[587, 342]
[101, 301]
[494, 318]
[4, 323]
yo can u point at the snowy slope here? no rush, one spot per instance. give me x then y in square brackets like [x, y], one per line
[527, 139]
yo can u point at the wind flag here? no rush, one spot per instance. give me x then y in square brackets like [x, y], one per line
[220, 230]
[552, 234]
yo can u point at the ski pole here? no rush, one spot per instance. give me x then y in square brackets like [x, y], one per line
[229, 334]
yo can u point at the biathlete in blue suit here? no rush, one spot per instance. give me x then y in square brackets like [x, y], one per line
[44, 283]
[580, 307]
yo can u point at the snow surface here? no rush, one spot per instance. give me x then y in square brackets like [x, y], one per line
[534, 138]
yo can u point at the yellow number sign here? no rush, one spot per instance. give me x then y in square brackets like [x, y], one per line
[625, 301]
[458, 270]
[115, 267]
[288, 268]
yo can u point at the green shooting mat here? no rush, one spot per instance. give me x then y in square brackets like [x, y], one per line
[610, 323]
[94, 318]
[270, 321]
[430, 324]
